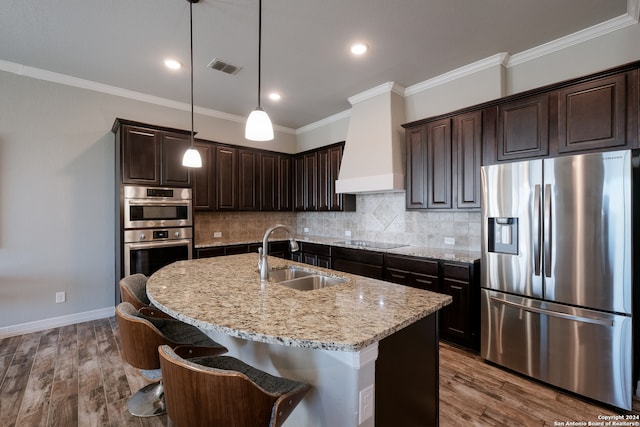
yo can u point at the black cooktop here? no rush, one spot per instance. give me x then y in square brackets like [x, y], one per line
[370, 244]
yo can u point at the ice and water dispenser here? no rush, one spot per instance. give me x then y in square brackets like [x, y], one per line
[503, 235]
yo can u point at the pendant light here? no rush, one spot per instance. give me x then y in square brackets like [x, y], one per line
[191, 157]
[258, 127]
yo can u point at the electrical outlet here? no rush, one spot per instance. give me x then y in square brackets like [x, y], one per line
[365, 409]
[347, 233]
[60, 297]
[306, 229]
[449, 241]
[217, 234]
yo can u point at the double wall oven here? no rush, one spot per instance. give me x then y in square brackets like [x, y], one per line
[157, 228]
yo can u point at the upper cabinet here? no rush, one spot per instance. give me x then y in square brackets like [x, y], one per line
[204, 183]
[594, 113]
[443, 163]
[523, 128]
[315, 175]
[149, 155]
[237, 178]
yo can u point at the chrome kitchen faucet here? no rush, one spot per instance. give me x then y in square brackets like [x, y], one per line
[263, 252]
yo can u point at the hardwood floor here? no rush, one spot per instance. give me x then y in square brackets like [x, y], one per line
[75, 376]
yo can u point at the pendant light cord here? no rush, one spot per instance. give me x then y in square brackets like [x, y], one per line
[191, 52]
[259, 47]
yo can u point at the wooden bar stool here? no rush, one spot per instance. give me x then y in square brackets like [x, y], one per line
[141, 336]
[224, 391]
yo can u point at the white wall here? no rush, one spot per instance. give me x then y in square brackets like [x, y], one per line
[57, 187]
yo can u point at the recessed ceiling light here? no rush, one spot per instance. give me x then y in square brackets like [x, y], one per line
[274, 96]
[172, 64]
[359, 48]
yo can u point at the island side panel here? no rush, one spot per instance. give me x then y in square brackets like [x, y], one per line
[407, 376]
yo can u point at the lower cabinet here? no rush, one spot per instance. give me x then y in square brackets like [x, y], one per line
[313, 254]
[417, 272]
[278, 249]
[460, 320]
[358, 261]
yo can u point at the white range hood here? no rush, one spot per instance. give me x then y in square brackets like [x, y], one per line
[373, 158]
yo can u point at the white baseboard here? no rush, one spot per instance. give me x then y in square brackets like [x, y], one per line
[56, 322]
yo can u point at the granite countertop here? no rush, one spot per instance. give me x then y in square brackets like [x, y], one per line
[225, 294]
[417, 251]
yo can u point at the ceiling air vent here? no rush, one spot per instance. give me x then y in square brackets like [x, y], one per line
[225, 67]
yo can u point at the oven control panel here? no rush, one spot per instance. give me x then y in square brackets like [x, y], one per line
[157, 234]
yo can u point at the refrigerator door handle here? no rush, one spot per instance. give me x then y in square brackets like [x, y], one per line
[547, 230]
[602, 322]
[537, 222]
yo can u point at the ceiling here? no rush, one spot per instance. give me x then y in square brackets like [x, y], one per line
[305, 48]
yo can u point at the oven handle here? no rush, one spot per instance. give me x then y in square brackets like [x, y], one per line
[163, 244]
[141, 202]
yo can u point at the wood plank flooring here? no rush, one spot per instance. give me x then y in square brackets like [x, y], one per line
[75, 376]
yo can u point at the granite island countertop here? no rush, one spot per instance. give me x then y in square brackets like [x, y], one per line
[410, 250]
[225, 294]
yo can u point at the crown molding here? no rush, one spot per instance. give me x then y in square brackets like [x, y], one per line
[387, 87]
[581, 36]
[40, 74]
[324, 122]
[474, 67]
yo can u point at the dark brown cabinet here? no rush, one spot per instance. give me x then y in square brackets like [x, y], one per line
[226, 178]
[313, 254]
[523, 128]
[150, 155]
[275, 182]
[235, 178]
[439, 164]
[412, 271]
[593, 115]
[278, 249]
[443, 160]
[358, 261]
[467, 158]
[248, 180]
[416, 173]
[315, 173]
[306, 181]
[204, 184]
[460, 321]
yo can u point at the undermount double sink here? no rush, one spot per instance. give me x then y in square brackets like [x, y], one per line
[302, 279]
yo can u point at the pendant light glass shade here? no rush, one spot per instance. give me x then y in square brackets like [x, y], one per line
[191, 158]
[258, 126]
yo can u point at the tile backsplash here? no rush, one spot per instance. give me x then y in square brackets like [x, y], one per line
[380, 216]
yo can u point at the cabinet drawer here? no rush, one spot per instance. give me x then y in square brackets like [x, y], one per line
[413, 264]
[358, 255]
[397, 276]
[456, 271]
[359, 268]
[424, 281]
[210, 252]
[314, 248]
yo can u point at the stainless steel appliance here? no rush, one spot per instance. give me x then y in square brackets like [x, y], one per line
[148, 250]
[146, 207]
[557, 272]
[156, 229]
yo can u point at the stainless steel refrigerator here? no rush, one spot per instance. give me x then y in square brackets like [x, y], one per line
[557, 272]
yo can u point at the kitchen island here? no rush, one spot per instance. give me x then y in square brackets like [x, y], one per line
[368, 348]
